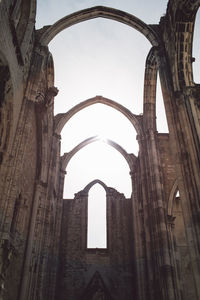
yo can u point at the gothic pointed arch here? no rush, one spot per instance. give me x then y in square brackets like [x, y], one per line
[61, 119]
[92, 183]
[49, 32]
[130, 158]
[150, 84]
[96, 289]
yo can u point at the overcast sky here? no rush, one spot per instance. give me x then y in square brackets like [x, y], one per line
[100, 57]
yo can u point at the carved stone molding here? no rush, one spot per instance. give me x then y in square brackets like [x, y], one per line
[170, 220]
[50, 94]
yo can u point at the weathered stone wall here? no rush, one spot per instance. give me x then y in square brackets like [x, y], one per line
[20, 214]
[18, 146]
[167, 164]
[13, 56]
[181, 252]
[182, 110]
[78, 264]
[26, 153]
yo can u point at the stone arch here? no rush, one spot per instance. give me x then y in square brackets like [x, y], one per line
[49, 32]
[130, 158]
[150, 85]
[151, 69]
[96, 284]
[61, 119]
[92, 183]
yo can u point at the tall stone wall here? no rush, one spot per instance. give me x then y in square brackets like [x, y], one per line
[112, 266]
[19, 215]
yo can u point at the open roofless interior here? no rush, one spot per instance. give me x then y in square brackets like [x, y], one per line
[99, 150]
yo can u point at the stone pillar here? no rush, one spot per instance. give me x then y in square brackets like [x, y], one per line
[53, 264]
[48, 252]
[181, 112]
[159, 267]
[170, 227]
[155, 211]
[140, 238]
[33, 244]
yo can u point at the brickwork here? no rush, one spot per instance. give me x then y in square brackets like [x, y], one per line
[79, 264]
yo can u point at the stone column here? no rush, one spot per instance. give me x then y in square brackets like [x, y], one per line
[33, 243]
[140, 238]
[184, 138]
[158, 247]
[170, 227]
[50, 288]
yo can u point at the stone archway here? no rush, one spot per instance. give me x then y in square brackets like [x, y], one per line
[61, 119]
[130, 158]
[49, 32]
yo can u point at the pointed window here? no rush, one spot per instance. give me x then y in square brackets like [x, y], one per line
[97, 223]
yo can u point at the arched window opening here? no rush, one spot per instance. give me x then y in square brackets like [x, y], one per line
[99, 120]
[161, 120]
[196, 52]
[177, 194]
[97, 221]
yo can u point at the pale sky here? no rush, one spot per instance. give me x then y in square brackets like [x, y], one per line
[100, 57]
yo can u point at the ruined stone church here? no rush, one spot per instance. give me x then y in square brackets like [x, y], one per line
[153, 237]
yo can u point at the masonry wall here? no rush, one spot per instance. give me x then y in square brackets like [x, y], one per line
[78, 264]
[167, 164]
[21, 210]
